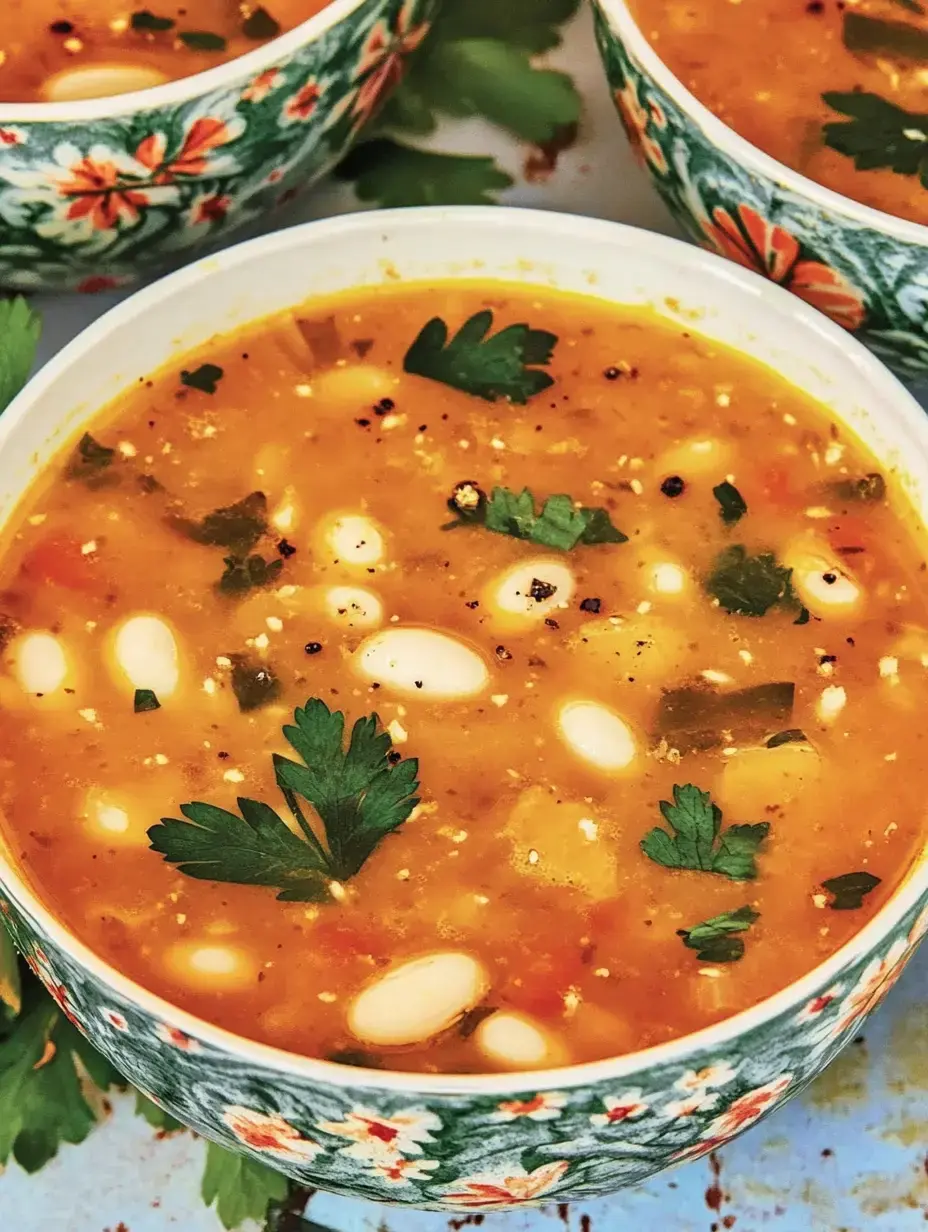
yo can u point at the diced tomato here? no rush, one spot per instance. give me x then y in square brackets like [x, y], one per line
[776, 485]
[59, 561]
[539, 987]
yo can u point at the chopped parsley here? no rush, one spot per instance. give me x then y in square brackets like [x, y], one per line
[358, 795]
[89, 459]
[244, 573]
[254, 684]
[146, 21]
[145, 700]
[749, 585]
[561, 524]
[732, 505]
[237, 527]
[697, 840]
[792, 735]
[206, 378]
[715, 940]
[203, 40]
[260, 25]
[490, 366]
[878, 134]
[849, 890]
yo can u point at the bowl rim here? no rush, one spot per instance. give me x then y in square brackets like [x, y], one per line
[562, 228]
[184, 89]
[623, 25]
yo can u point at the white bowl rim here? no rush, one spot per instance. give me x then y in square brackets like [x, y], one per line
[184, 89]
[741, 150]
[561, 227]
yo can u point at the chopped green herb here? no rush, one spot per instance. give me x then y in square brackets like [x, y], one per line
[867, 488]
[698, 841]
[749, 585]
[849, 890]
[202, 40]
[260, 25]
[253, 683]
[89, 459]
[695, 717]
[244, 573]
[804, 617]
[878, 134]
[358, 794]
[561, 524]
[237, 527]
[392, 173]
[206, 378]
[489, 366]
[792, 735]
[146, 699]
[144, 20]
[714, 939]
[732, 505]
[874, 36]
[20, 329]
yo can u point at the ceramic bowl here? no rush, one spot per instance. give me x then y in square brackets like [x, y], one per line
[865, 269]
[96, 193]
[468, 1142]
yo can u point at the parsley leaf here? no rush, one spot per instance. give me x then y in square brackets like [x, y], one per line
[873, 36]
[878, 134]
[144, 20]
[89, 460]
[206, 378]
[732, 505]
[749, 585]
[260, 25]
[11, 996]
[156, 1117]
[20, 329]
[237, 527]
[561, 524]
[849, 890]
[145, 700]
[531, 25]
[714, 939]
[203, 40]
[357, 794]
[793, 735]
[393, 174]
[253, 683]
[490, 366]
[697, 840]
[240, 1188]
[243, 573]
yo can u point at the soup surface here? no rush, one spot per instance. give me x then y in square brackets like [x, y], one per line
[664, 575]
[55, 50]
[836, 89]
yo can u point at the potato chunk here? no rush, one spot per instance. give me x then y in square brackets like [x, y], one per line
[562, 843]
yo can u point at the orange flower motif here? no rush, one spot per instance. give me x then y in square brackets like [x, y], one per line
[637, 121]
[99, 194]
[209, 209]
[874, 984]
[748, 1109]
[205, 136]
[625, 1107]
[10, 135]
[269, 1133]
[177, 1039]
[300, 106]
[507, 1188]
[383, 60]
[772, 251]
[542, 1107]
[261, 86]
[38, 964]
[95, 283]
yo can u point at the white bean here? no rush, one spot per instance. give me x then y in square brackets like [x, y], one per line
[422, 663]
[515, 1041]
[353, 607]
[667, 578]
[146, 654]
[354, 539]
[418, 999]
[597, 735]
[101, 81]
[531, 589]
[40, 663]
[215, 968]
[701, 455]
[821, 581]
[357, 384]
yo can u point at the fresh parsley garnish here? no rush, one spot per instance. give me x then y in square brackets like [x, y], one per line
[260, 25]
[849, 890]
[749, 585]
[145, 700]
[20, 330]
[254, 684]
[244, 573]
[561, 524]
[715, 940]
[358, 795]
[874, 36]
[89, 459]
[206, 377]
[490, 366]
[793, 735]
[392, 174]
[698, 841]
[156, 1117]
[804, 616]
[203, 40]
[878, 134]
[242, 1189]
[237, 527]
[144, 20]
[732, 505]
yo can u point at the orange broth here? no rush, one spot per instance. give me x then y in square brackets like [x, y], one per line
[524, 853]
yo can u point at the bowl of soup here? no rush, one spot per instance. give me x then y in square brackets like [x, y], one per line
[132, 137]
[458, 699]
[788, 138]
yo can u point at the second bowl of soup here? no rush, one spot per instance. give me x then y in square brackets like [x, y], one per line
[457, 710]
[789, 138]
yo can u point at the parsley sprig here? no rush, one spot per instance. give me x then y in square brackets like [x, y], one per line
[358, 796]
[746, 585]
[716, 940]
[697, 841]
[476, 361]
[878, 134]
[20, 329]
[561, 524]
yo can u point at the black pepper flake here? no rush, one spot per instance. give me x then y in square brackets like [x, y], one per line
[286, 549]
[394, 756]
[312, 648]
[829, 578]
[418, 684]
[503, 654]
[612, 374]
[540, 590]
[384, 406]
[472, 604]
[828, 659]
[551, 623]
[591, 605]
[363, 423]
[673, 486]
[62, 27]
[223, 756]
[815, 7]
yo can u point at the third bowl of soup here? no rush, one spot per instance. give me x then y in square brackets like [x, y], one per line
[133, 138]
[789, 137]
[459, 677]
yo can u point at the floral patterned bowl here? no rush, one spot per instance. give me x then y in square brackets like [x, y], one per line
[865, 269]
[467, 1142]
[95, 193]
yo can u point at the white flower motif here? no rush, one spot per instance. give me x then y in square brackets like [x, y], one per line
[506, 1186]
[271, 1134]
[699, 1101]
[747, 1109]
[625, 1107]
[401, 1171]
[813, 1010]
[541, 1107]
[114, 1019]
[375, 1137]
[718, 1075]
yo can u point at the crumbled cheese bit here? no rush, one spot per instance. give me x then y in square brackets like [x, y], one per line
[723, 400]
[746, 657]
[261, 642]
[818, 511]
[210, 686]
[831, 703]
[834, 453]
[496, 443]
[715, 677]
[588, 828]
[403, 874]
[713, 973]
[223, 661]
[393, 421]
[160, 759]
[127, 449]
[275, 624]
[789, 419]
[890, 756]
[889, 667]
[73, 46]
[499, 699]
[89, 714]
[338, 891]
[463, 444]
[533, 856]
[397, 732]
[327, 997]
[37, 519]
[303, 391]
[572, 1001]
[643, 608]
[602, 973]
[234, 776]
[88, 548]
[481, 899]
[181, 917]
[890, 829]
[820, 901]
[826, 669]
